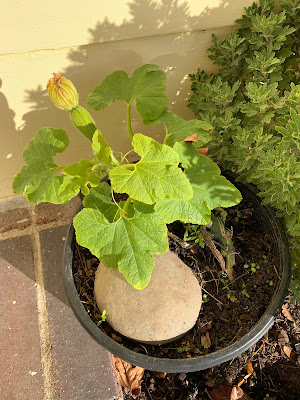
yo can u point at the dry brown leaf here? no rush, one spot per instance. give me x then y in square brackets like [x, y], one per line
[238, 393]
[249, 370]
[286, 312]
[234, 393]
[288, 352]
[223, 393]
[192, 138]
[203, 150]
[228, 393]
[159, 374]
[205, 340]
[129, 377]
[283, 338]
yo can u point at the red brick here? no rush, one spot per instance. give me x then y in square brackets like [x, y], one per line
[20, 356]
[47, 212]
[83, 369]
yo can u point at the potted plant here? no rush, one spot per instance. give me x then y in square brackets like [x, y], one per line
[170, 182]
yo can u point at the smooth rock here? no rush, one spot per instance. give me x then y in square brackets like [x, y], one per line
[165, 310]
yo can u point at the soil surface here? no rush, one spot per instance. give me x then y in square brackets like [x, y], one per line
[229, 310]
[275, 360]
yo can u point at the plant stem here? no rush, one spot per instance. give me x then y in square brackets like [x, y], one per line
[129, 120]
[126, 205]
[166, 137]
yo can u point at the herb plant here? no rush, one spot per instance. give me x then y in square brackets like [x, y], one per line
[169, 181]
[253, 104]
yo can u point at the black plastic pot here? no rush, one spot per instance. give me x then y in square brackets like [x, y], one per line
[270, 224]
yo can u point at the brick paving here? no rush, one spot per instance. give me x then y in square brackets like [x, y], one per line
[45, 354]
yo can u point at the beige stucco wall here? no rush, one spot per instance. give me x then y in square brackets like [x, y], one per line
[85, 43]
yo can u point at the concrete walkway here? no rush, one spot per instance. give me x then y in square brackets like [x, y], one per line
[45, 354]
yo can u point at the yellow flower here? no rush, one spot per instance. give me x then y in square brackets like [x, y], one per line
[62, 92]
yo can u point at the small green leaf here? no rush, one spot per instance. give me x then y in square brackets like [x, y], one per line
[38, 180]
[79, 175]
[178, 128]
[100, 198]
[147, 86]
[126, 244]
[156, 176]
[101, 149]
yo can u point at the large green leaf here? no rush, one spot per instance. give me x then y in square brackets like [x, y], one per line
[156, 176]
[147, 86]
[38, 180]
[178, 128]
[210, 190]
[126, 244]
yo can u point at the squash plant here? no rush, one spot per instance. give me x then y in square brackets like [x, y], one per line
[170, 181]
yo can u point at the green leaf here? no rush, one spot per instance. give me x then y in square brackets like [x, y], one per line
[126, 244]
[79, 175]
[100, 198]
[147, 86]
[210, 190]
[38, 180]
[196, 166]
[178, 128]
[194, 211]
[101, 149]
[156, 176]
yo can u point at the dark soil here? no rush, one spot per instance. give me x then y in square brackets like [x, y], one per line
[276, 373]
[229, 310]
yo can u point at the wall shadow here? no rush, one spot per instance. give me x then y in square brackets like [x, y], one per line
[11, 148]
[91, 63]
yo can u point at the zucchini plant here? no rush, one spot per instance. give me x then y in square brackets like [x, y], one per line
[170, 181]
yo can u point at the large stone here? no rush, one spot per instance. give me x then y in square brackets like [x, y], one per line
[165, 310]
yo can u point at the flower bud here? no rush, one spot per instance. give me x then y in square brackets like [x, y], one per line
[62, 92]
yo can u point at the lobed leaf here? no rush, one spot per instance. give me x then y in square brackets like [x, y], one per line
[126, 244]
[156, 176]
[147, 86]
[210, 190]
[178, 128]
[38, 180]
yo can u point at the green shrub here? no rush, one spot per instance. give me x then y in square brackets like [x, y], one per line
[253, 103]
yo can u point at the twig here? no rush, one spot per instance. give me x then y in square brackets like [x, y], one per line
[211, 295]
[276, 272]
[257, 351]
[210, 243]
[239, 277]
[181, 242]
[149, 393]
[272, 102]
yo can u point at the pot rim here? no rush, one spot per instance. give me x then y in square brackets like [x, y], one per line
[275, 229]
